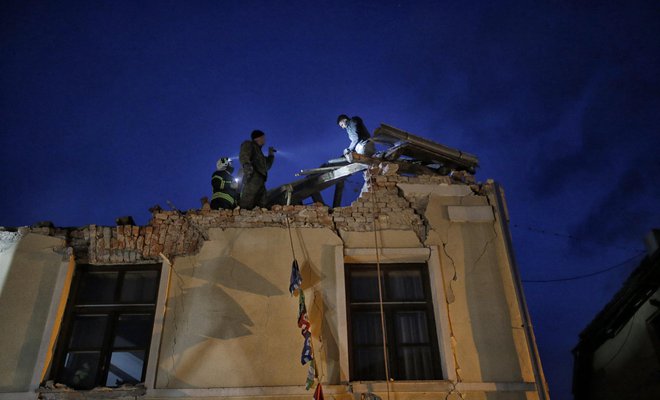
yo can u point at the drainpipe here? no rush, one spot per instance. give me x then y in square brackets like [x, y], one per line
[541, 384]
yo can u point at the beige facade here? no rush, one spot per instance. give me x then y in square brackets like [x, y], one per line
[225, 322]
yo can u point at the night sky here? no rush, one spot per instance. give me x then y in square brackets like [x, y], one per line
[110, 107]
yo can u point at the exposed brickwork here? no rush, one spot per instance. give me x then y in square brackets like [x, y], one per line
[175, 233]
[382, 200]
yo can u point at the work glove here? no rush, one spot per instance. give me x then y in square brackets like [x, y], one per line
[247, 170]
[271, 150]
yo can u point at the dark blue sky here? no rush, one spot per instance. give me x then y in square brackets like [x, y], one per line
[111, 107]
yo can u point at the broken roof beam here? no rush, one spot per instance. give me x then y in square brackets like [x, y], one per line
[339, 192]
[313, 171]
[405, 166]
[312, 184]
[405, 143]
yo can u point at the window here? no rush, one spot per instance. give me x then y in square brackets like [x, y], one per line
[412, 344]
[106, 332]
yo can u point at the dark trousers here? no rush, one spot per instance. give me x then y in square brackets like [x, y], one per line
[253, 192]
[217, 204]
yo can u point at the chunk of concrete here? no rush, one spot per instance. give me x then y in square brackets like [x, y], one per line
[442, 190]
[470, 213]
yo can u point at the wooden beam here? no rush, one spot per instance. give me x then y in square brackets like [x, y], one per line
[339, 191]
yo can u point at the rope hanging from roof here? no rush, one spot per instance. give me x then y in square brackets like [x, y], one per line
[380, 287]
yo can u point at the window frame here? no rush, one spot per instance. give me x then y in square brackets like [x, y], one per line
[113, 311]
[431, 256]
[390, 308]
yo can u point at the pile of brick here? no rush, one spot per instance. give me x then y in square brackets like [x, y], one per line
[311, 216]
[129, 244]
[381, 205]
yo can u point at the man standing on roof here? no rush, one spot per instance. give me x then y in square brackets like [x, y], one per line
[358, 134]
[224, 186]
[255, 170]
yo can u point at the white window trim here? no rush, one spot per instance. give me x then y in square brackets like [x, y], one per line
[431, 256]
[159, 323]
[64, 273]
[63, 281]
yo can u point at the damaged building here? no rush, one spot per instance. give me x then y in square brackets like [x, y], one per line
[411, 292]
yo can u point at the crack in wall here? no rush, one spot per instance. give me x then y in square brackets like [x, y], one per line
[451, 297]
[483, 251]
[489, 242]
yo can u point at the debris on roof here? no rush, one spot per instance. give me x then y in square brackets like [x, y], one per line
[413, 154]
[409, 148]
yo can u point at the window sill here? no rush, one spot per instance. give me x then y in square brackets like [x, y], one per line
[52, 391]
[412, 388]
[401, 386]
[441, 386]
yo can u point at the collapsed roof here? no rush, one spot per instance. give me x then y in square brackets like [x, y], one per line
[414, 155]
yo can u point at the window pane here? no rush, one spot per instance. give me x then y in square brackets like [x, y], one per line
[366, 328]
[80, 370]
[415, 363]
[97, 288]
[88, 331]
[125, 367]
[139, 287]
[409, 321]
[411, 327]
[364, 286]
[368, 364]
[405, 285]
[133, 330]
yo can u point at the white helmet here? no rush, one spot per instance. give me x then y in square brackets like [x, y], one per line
[223, 163]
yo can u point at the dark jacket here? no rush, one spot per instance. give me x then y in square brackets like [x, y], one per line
[224, 194]
[251, 154]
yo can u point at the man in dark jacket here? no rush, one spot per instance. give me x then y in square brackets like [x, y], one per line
[358, 135]
[224, 186]
[255, 171]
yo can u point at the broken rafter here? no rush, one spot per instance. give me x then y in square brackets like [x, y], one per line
[319, 170]
[313, 184]
[413, 154]
[423, 150]
[404, 166]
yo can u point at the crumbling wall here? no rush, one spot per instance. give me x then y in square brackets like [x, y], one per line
[237, 260]
[29, 265]
[381, 206]
[379, 201]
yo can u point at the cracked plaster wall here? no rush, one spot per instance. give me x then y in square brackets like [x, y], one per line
[29, 265]
[230, 320]
[229, 307]
[489, 342]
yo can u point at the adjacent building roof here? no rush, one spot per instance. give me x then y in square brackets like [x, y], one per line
[639, 286]
[642, 283]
